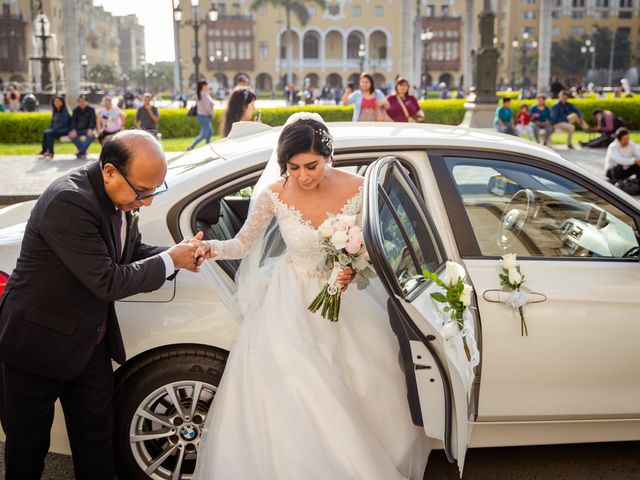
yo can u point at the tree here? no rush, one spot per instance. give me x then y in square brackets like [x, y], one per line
[300, 8]
[102, 74]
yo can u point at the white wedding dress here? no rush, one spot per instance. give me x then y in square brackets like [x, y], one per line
[303, 398]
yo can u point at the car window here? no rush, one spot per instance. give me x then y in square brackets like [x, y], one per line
[516, 208]
[408, 243]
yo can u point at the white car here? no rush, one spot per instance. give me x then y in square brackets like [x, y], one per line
[432, 193]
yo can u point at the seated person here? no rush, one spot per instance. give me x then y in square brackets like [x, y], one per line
[623, 158]
[564, 115]
[607, 124]
[541, 120]
[83, 124]
[523, 122]
[58, 127]
[503, 120]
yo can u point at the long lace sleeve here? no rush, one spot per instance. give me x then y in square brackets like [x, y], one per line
[256, 224]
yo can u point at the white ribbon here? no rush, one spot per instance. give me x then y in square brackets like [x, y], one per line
[333, 278]
[517, 299]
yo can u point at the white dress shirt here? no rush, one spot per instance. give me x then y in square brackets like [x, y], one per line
[619, 155]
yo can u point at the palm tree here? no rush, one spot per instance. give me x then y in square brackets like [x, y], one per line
[300, 8]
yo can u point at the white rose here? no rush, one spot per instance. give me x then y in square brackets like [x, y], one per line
[326, 229]
[453, 273]
[348, 220]
[339, 239]
[514, 276]
[465, 298]
[509, 260]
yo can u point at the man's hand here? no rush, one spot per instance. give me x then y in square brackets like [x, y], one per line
[90, 132]
[203, 249]
[73, 134]
[183, 256]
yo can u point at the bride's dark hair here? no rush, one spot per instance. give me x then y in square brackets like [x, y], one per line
[303, 136]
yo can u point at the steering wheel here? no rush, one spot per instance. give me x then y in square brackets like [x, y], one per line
[514, 217]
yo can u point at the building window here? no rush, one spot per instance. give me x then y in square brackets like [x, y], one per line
[355, 10]
[557, 3]
[310, 46]
[531, 2]
[222, 9]
[577, 3]
[624, 15]
[378, 11]
[431, 11]
[263, 50]
[555, 32]
[445, 10]
[334, 9]
[235, 9]
[576, 31]
[602, 3]
[6, 9]
[529, 15]
[577, 14]
[626, 3]
[555, 14]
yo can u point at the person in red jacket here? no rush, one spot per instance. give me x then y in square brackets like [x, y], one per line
[523, 122]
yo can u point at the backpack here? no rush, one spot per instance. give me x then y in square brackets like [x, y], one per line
[629, 185]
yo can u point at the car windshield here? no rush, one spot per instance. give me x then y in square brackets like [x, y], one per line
[190, 161]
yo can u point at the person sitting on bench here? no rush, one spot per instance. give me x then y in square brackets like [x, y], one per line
[83, 126]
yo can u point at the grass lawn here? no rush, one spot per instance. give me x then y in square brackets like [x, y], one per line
[169, 145]
[181, 144]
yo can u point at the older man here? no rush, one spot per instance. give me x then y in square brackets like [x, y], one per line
[81, 252]
[623, 158]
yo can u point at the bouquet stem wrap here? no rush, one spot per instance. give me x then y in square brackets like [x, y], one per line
[329, 297]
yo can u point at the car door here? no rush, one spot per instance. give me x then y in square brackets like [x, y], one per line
[577, 245]
[402, 242]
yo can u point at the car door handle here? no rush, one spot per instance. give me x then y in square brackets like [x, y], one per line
[500, 296]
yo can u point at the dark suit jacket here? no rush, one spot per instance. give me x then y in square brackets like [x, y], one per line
[68, 276]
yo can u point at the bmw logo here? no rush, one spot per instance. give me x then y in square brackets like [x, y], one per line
[188, 432]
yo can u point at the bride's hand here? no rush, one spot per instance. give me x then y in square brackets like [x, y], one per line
[203, 248]
[345, 278]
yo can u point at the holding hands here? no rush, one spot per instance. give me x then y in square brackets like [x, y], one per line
[188, 253]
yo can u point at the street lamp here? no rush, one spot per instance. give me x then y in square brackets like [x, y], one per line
[588, 49]
[177, 69]
[361, 55]
[196, 23]
[524, 46]
[425, 36]
[84, 62]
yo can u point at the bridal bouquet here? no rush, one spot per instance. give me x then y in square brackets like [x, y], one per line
[513, 278]
[342, 247]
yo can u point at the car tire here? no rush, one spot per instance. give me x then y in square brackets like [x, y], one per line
[155, 413]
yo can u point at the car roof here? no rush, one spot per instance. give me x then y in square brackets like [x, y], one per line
[350, 135]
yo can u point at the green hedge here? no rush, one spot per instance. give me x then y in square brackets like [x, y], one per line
[174, 123]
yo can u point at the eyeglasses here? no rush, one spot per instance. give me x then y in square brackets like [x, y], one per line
[140, 195]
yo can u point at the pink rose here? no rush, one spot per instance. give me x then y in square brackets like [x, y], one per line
[340, 227]
[354, 245]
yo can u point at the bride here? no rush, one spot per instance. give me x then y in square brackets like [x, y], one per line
[302, 397]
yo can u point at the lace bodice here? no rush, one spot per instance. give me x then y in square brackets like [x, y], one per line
[300, 237]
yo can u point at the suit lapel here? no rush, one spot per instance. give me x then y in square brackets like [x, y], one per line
[125, 251]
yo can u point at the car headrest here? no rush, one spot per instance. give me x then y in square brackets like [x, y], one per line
[210, 213]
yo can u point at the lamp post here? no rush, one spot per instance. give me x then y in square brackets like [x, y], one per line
[177, 70]
[587, 49]
[524, 46]
[196, 23]
[425, 36]
[143, 66]
[84, 62]
[361, 55]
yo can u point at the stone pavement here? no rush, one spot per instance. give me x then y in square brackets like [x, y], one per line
[24, 177]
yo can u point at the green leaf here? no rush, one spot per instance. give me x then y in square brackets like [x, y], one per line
[439, 297]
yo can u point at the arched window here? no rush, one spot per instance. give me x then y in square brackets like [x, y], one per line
[311, 46]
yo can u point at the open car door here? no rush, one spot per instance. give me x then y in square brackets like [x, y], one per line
[402, 242]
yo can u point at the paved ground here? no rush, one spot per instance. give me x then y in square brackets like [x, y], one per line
[613, 461]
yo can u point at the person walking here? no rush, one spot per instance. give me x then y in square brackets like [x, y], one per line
[607, 123]
[239, 109]
[564, 115]
[147, 116]
[60, 122]
[623, 158]
[110, 120]
[503, 119]
[82, 251]
[541, 120]
[204, 109]
[404, 107]
[369, 103]
[13, 98]
[83, 126]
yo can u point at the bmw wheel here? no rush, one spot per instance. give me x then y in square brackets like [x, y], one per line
[161, 407]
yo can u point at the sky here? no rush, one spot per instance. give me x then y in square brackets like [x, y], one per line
[157, 18]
